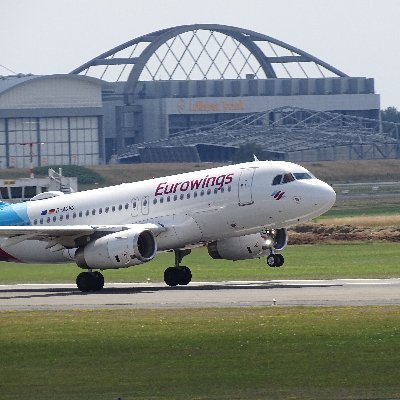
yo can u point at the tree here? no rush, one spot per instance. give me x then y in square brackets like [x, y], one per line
[391, 114]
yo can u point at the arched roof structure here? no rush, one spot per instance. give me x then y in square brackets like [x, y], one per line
[203, 51]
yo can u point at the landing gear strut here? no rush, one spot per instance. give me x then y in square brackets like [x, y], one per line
[90, 281]
[275, 260]
[179, 274]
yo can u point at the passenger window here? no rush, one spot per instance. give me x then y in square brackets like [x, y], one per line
[155, 201]
[162, 200]
[80, 214]
[182, 196]
[126, 206]
[93, 212]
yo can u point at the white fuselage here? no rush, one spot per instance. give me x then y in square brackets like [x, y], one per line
[195, 207]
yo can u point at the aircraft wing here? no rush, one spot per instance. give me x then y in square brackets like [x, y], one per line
[65, 235]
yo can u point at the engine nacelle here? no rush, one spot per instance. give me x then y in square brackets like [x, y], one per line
[118, 250]
[249, 246]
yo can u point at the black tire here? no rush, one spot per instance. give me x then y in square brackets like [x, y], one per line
[85, 282]
[281, 260]
[99, 281]
[272, 260]
[185, 276]
[172, 276]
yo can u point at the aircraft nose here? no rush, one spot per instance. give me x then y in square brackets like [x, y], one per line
[325, 196]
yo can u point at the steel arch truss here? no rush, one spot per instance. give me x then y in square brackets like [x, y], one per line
[203, 51]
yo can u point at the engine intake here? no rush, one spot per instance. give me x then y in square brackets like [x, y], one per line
[118, 250]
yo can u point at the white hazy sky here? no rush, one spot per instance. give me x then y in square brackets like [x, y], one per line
[359, 37]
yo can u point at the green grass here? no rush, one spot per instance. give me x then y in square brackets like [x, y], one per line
[355, 260]
[249, 353]
[369, 206]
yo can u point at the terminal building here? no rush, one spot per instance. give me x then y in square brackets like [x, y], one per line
[164, 84]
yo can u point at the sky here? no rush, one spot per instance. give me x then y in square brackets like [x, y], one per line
[359, 37]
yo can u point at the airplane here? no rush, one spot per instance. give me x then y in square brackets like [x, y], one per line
[238, 212]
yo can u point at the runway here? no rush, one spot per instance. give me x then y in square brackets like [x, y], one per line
[341, 292]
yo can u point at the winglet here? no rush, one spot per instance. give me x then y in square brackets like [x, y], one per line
[255, 158]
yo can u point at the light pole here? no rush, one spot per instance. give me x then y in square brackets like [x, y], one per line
[30, 144]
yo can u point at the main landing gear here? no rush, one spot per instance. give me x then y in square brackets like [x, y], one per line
[179, 274]
[90, 281]
[275, 260]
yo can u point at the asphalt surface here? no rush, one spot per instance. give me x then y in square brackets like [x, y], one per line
[341, 292]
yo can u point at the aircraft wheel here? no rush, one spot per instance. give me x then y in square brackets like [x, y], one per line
[90, 281]
[171, 276]
[281, 260]
[99, 281]
[85, 282]
[275, 260]
[185, 275]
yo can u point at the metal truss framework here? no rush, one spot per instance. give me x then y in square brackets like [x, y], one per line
[203, 51]
[287, 129]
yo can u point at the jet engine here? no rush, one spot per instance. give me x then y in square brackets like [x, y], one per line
[118, 250]
[249, 246]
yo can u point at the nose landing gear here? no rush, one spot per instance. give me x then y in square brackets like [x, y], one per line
[275, 260]
[179, 274]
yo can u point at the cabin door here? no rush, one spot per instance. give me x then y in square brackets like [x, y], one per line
[245, 189]
[145, 205]
[135, 207]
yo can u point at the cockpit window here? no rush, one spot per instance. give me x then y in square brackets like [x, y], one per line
[288, 178]
[302, 175]
[277, 180]
[285, 178]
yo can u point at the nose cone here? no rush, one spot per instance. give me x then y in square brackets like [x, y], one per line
[324, 197]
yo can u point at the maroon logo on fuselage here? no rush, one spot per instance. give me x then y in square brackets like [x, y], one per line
[165, 188]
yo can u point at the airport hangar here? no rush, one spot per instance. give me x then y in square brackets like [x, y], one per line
[163, 88]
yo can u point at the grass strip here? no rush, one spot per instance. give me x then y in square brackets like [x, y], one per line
[252, 353]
